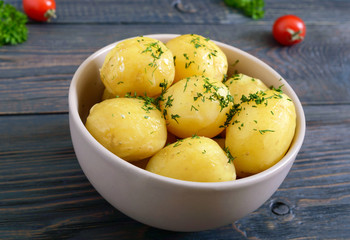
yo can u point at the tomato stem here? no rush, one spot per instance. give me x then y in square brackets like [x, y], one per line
[50, 14]
[295, 34]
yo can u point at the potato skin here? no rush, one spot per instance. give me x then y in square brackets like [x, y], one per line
[261, 133]
[138, 65]
[124, 127]
[195, 105]
[241, 84]
[197, 55]
[198, 159]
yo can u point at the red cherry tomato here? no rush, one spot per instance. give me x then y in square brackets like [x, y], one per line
[289, 30]
[40, 10]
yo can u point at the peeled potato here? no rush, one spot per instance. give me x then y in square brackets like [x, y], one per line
[138, 65]
[196, 105]
[261, 133]
[197, 159]
[196, 55]
[240, 84]
[130, 128]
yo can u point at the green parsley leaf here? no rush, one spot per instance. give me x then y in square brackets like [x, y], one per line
[250, 8]
[13, 28]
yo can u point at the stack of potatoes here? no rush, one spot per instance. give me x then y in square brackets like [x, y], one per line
[170, 108]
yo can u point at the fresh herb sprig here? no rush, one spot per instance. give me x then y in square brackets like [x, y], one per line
[13, 28]
[250, 8]
[229, 155]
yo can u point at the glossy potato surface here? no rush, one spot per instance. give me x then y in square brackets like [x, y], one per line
[196, 105]
[138, 65]
[197, 159]
[197, 55]
[241, 84]
[124, 127]
[261, 133]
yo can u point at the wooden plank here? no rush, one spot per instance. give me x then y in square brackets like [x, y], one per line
[35, 76]
[207, 11]
[45, 195]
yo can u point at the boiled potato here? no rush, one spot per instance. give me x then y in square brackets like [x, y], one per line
[261, 133]
[240, 84]
[197, 159]
[197, 55]
[138, 65]
[130, 128]
[196, 105]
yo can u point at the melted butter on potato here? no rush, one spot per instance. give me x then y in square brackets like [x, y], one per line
[198, 159]
[129, 127]
[261, 132]
[197, 55]
[196, 105]
[240, 84]
[138, 65]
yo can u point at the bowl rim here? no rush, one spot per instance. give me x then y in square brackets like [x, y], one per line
[238, 183]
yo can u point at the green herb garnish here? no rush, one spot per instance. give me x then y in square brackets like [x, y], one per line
[175, 116]
[250, 8]
[156, 52]
[229, 155]
[13, 28]
[263, 131]
[178, 143]
[194, 108]
[195, 136]
[235, 109]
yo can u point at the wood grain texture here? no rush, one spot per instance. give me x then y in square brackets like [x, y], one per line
[207, 11]
[45, 195]
[35, 76]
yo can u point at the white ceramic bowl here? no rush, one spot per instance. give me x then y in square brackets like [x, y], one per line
[164, 202]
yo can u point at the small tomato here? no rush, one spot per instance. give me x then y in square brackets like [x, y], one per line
[40, 10]
[289, 30]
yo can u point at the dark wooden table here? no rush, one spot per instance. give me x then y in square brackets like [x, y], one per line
[43, 191]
